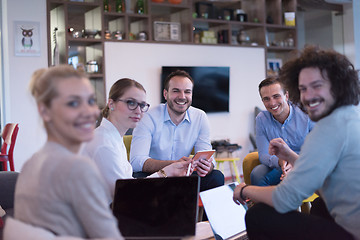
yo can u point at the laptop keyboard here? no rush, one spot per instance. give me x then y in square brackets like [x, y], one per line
[244, 237]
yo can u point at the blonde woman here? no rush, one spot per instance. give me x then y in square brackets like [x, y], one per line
[58, 189]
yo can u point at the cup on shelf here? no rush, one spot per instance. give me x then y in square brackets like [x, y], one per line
[92, 66]
[241, 16]
[77, 34]
[118, 35]
[142, 36]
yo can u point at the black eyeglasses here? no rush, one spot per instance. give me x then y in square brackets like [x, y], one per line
[132, 105]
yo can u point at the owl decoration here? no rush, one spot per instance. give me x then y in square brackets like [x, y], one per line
[27, 41]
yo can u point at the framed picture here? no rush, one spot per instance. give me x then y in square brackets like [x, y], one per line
[167, 31]
[273, 66]
[27, 38]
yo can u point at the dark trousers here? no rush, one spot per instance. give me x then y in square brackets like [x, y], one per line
[212, 180]
[264, 222]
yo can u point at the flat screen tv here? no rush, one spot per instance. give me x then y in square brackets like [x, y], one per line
[211, 86]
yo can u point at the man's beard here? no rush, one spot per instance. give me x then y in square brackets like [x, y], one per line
[172, 107]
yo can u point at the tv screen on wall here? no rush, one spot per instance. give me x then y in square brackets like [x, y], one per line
[211, 86]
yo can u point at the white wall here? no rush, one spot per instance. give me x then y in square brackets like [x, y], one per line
[143, 62]
[17, 104]
[318, 25]
[349, 48]
[139, 61]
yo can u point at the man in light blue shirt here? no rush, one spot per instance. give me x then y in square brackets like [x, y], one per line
[169, 132]
[281, 120]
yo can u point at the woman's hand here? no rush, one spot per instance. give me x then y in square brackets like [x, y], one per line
[179, 168]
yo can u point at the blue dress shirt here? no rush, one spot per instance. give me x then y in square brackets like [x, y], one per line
[157, 137]
[293, 131]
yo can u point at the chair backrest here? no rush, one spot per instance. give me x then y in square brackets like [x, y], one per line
[250, 161]
[13, 140]
[9, 136]
[127, 141]
[6, 136]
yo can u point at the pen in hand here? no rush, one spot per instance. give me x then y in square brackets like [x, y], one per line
[188, 170]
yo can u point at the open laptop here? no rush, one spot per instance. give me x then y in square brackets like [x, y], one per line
[157, 208]
[227, 219]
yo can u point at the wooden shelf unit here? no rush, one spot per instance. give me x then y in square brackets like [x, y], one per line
[264, 27]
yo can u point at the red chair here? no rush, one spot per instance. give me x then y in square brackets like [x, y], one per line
[9, 135]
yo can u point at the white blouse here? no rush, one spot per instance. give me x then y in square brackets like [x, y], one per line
[108, 151]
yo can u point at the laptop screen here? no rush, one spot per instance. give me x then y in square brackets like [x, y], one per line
[226, 218]
[157, 207]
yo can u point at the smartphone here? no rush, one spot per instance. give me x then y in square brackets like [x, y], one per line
[206, 154]
[203, 155]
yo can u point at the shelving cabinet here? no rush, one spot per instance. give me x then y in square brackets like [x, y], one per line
[250, 23]
[70, 18]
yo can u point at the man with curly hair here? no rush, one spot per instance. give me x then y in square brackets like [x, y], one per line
[326, 85]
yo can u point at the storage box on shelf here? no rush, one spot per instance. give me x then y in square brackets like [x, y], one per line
[177, 15]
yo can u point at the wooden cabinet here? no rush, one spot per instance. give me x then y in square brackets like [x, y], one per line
[78, 38]
[250, 23]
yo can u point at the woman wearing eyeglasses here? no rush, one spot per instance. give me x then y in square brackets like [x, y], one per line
[125, 108]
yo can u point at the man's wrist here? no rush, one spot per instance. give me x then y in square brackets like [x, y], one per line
[242, 192]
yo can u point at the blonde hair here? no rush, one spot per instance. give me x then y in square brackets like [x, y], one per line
[43, 82]
[118, 89]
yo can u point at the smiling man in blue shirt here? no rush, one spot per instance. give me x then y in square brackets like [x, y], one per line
[281, 120]
[169, 132]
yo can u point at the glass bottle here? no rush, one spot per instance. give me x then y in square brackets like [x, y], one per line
[140, 6]
[120, 6]
[290, 41]
[106, 6]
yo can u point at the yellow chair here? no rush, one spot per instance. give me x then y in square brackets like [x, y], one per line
[127, 141]
[251, 160]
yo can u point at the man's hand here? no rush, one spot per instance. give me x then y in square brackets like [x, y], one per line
[203, 166]
[236, 197]
[279, 148]
[285, 168]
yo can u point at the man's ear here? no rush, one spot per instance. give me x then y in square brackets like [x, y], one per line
[44, 112]
[287, 95]
[165, 92]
